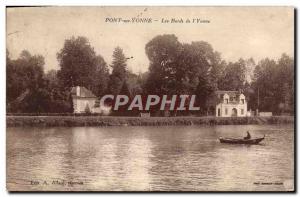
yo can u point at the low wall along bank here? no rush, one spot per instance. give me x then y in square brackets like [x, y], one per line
[70, 121]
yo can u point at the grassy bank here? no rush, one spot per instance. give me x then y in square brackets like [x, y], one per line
[71, 121]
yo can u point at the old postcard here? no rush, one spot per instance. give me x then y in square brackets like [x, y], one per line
[150, 99]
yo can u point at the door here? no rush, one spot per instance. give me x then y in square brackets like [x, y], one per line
[234, 112]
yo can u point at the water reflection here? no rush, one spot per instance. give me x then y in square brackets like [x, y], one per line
[148, 158]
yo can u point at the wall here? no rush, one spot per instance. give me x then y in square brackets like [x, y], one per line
[79, 104]
[229, 108]
[265, 114]
[68, 121]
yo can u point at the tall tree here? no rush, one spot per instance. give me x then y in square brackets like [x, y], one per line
[273, 85]
[163, 52]
[102, 76]
[177, 68]
[123, 109]
[286, 76]
[119, 70]
[234, 76]
[80, 66]
[135, 83]
[204, 67]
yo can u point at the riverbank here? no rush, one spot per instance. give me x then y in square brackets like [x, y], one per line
[73, 121]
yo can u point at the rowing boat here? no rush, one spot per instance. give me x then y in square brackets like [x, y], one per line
[241, 141]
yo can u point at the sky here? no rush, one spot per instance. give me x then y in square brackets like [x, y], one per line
[235, 32]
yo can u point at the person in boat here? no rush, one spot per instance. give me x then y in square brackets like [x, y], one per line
[248, 136]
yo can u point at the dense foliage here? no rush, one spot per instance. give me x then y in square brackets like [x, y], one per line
[175, 68]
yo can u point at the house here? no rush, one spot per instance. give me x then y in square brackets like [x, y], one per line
[230, 104]
[84, 101]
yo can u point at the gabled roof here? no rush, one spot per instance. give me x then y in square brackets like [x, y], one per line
[83, 92]
[230, 93]
[217, 96]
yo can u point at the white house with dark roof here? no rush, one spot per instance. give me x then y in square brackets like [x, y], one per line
[231, 104]
[84, 101]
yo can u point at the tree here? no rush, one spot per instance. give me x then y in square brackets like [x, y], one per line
[135, 83]
[61, 101]
[102, 77]
[275, 83]
[80, 66]
[234, 76]
[119, 70]
[250, 66]
[177, 68]
[203, 69]
[263, 85]
[123, 109]
[286, 77]
[163, 52]
[51, 77]
[30, 90]
[25, 84]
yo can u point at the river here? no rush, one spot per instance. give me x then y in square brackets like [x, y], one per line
[181, 158]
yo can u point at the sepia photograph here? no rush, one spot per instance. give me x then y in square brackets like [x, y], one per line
[150, 99]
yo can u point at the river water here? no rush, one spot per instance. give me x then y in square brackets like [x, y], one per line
[187, 158]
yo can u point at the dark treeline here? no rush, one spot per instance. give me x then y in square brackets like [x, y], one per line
[175, 68]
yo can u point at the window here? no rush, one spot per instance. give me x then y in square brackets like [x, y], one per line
[226, 101]
[226, 111]
[97, 103]
[242, 111]
[243, 101]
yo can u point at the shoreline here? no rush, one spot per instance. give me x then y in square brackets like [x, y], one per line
[104, 121]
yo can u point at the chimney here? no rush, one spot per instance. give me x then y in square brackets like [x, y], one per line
[77, 90]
